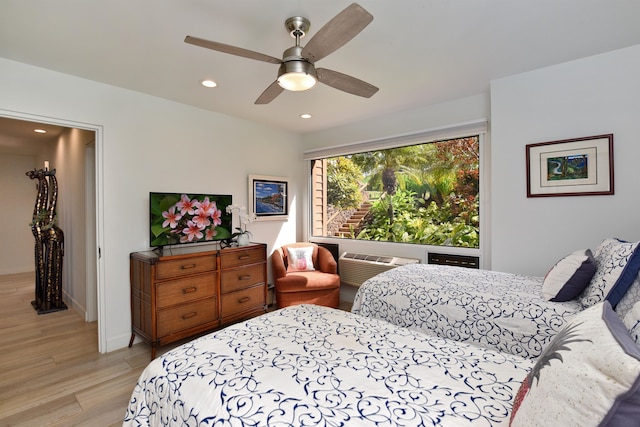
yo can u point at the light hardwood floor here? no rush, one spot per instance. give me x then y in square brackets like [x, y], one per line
[51, 373]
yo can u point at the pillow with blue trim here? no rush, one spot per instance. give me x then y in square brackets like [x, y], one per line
[629, 299]
[632, 322]
[568, 278]
[617, 264]
[588, 375]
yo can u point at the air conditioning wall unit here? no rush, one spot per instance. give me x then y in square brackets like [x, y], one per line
[355, 268]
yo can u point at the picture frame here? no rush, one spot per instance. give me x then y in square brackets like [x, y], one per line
[571, 167]
[268, 198]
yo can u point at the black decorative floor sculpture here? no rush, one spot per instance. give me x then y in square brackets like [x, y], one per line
[49, 244]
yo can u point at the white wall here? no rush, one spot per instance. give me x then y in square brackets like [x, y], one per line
[69, 161]
[402, 123]
[591, 96]
[150, 144]
[18, 195]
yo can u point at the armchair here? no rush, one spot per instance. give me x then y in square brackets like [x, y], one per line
[297, 283]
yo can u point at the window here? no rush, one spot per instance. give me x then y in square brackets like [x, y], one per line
[424, 193]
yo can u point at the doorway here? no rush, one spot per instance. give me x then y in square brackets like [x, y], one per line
[75, 151]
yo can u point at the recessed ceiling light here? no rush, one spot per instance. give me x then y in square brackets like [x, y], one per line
[40, 131]
[305, 116]
[208, 83]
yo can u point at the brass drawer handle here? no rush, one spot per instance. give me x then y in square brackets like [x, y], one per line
[189, 315]
[244, 299]
[245, 277]
[189, 290]
[187, 266]
[243, 257]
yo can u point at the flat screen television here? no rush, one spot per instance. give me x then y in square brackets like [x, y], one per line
[182, 218]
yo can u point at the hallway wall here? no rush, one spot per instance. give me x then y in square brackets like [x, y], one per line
[18, 195]
[69, 161]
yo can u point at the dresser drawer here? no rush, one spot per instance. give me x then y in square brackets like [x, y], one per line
[177, 291]
[239, 301]
[241, 257]
[241, 278]
[183, 267]
[177, 319]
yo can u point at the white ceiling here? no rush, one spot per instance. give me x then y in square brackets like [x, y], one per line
[19, 136]
[418, 52]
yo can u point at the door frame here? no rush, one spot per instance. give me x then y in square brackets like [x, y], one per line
[99, 208]
[91, 304]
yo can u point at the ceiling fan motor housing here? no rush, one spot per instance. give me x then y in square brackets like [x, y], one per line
[300, 73]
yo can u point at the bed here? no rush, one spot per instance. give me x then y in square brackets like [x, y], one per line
[317, 366]
[502, 311]
[497, 310]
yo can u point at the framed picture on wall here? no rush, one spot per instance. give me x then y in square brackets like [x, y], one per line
[570, 167]
[269, 197]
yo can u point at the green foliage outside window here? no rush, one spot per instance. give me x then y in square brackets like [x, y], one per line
[426, 194]
[343, 187]
[413, 223]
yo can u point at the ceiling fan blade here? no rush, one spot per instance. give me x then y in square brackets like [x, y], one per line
[346, 83]
[270, 93]
[338, 31]
[233, 50]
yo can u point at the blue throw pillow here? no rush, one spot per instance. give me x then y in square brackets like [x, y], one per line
[569, 277]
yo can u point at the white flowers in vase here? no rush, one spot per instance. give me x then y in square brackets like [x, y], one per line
[243, 235]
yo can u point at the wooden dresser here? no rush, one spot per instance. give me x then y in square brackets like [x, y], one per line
[194, 290]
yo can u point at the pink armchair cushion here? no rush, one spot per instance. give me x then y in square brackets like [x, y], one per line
[308, 281]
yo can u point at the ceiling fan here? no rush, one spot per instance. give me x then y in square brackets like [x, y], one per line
[297, 70]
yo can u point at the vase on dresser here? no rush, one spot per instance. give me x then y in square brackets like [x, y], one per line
[243, 239]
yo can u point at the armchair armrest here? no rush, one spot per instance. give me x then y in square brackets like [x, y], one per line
[326, 262]
[279, 269]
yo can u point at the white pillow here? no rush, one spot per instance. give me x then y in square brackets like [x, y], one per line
[617, 264]
[589, 375]
[300, 258]
[568, 278]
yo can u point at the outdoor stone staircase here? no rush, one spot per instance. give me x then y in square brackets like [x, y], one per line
[354, 220]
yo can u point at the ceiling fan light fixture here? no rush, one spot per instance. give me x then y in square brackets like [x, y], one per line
[296, 81]
[297, 75]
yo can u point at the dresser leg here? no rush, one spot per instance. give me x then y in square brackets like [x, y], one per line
[133, 335]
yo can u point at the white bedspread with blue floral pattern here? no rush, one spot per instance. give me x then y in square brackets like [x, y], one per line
[315, 366]
[492, 309]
